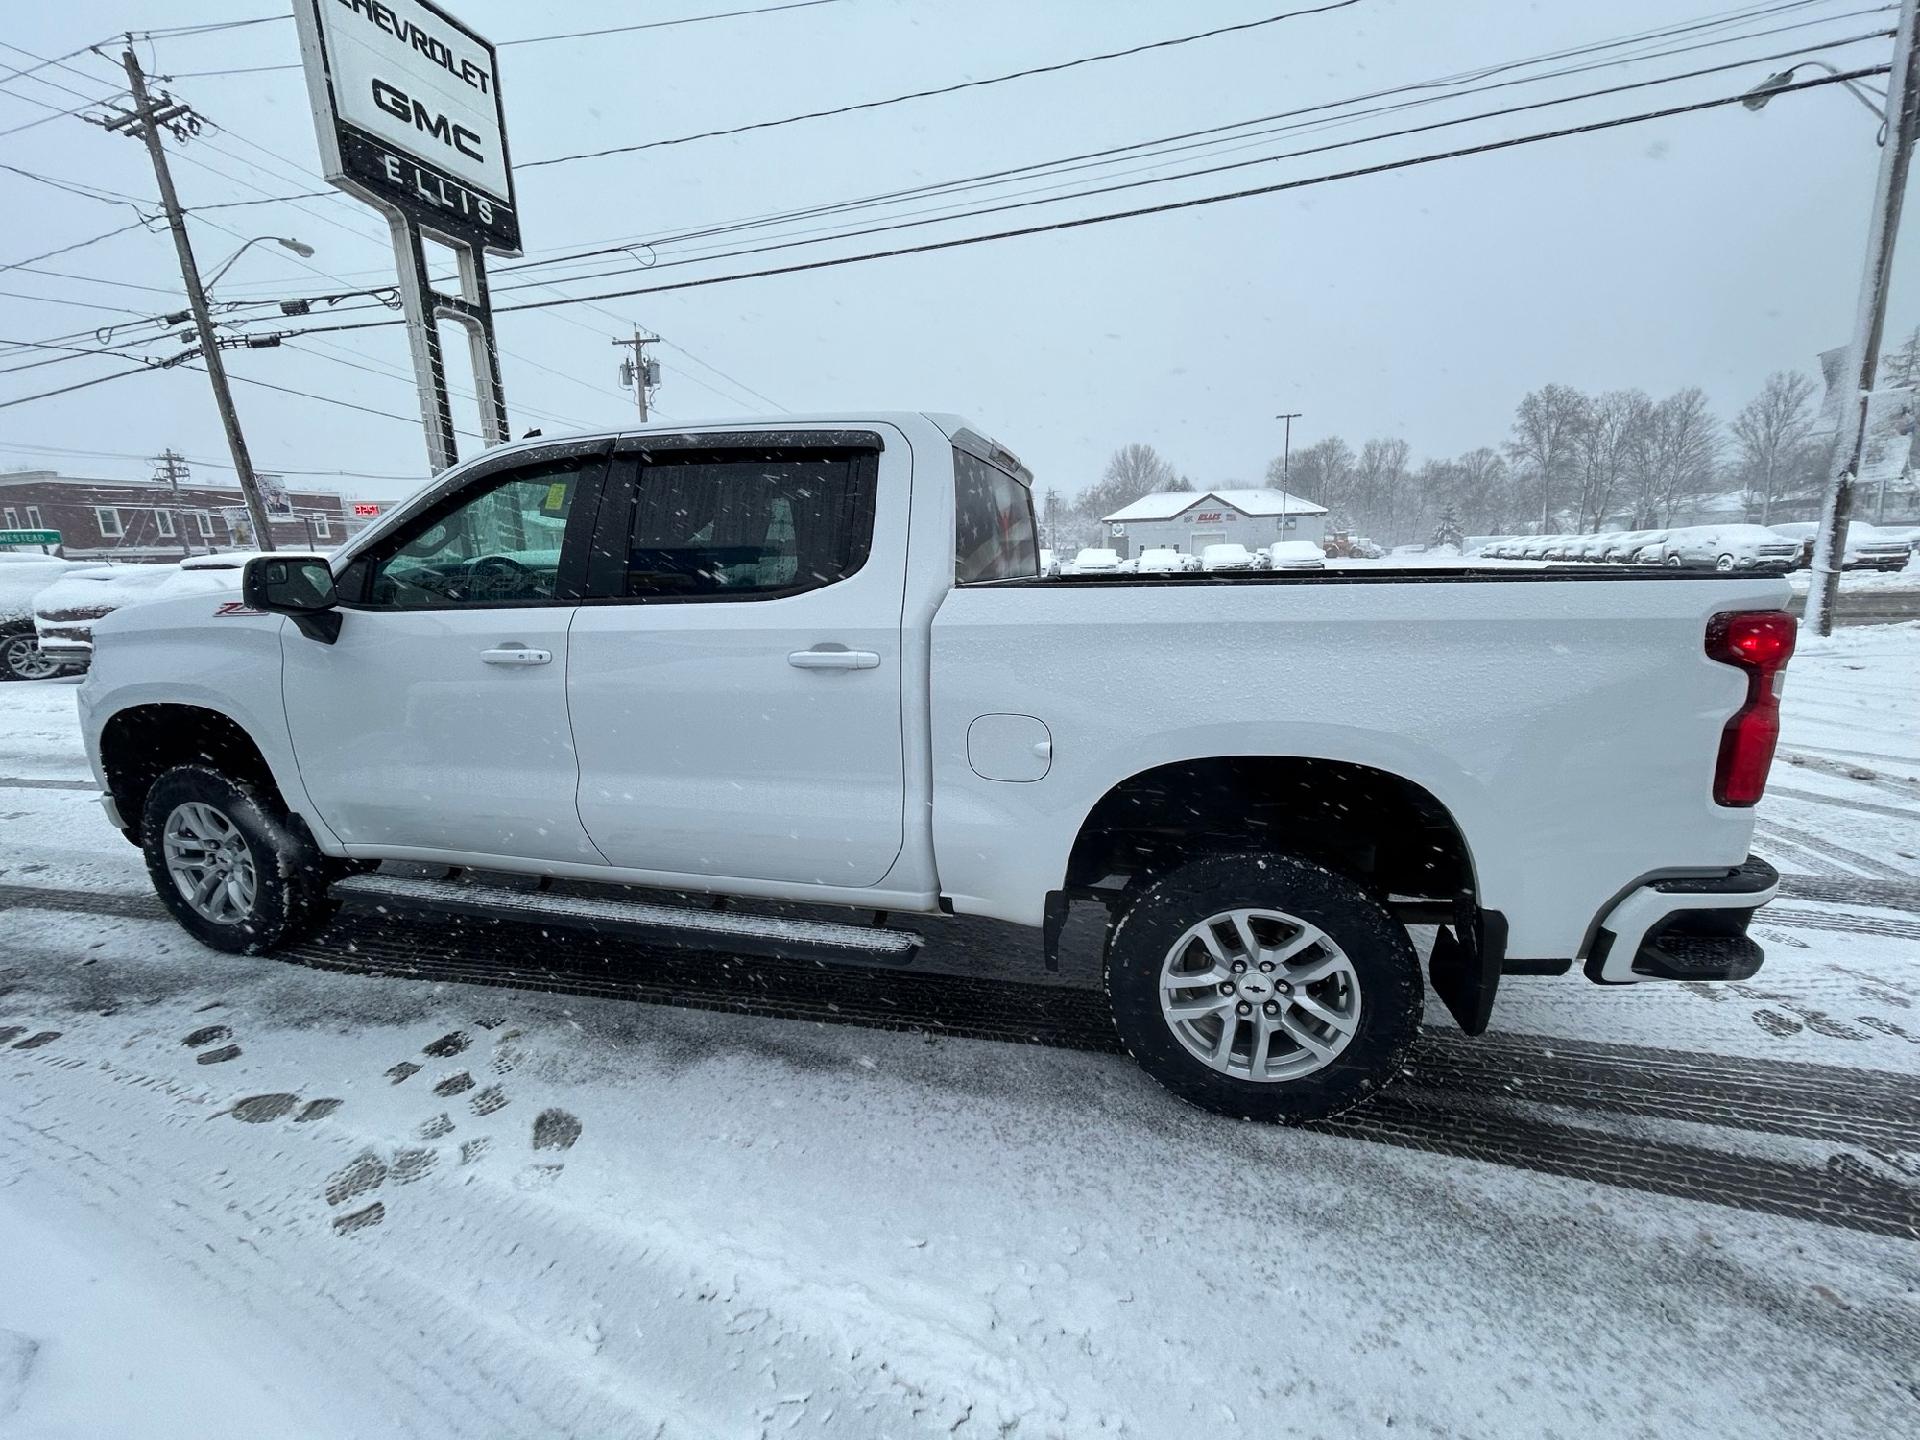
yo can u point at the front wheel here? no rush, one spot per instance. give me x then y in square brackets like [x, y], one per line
[1673, 562]
[1725, 562]
[226, 860]
[1264, 987]
[21, 658]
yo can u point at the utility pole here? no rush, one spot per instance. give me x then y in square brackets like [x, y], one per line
[1286, 444]
[1863, 353]
[145, 124]
[637, 370]
[173, 469]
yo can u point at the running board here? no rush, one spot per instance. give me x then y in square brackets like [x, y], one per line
[733, 931]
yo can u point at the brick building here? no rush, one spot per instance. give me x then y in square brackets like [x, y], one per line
[152, 520]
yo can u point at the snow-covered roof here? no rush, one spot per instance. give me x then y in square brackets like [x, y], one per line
[1165, 504]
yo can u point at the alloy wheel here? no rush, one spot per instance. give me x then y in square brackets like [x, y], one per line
[22, 657]
[210, 863]
[1260, 995]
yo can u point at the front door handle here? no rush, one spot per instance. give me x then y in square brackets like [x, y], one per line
[517, 655]
[834, 660]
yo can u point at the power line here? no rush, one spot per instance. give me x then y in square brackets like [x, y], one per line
[68, 389]
[1720, 20]
[62, 114]
[952, 89]
[1168, 206]
[912, 224]
[1062, 162]
[538, 39]
[139, 224]
[85, 192]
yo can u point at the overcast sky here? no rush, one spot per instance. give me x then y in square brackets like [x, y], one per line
[1707, 248]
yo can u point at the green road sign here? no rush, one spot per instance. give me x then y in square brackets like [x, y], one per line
[29, 537]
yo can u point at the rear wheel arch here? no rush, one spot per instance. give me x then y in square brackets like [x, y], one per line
[1379, 828]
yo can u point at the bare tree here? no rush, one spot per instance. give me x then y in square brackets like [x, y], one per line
[1611, 436]
[1380, 475]
[1324, 473]
[1485, 495]
[1545, 426]
[1677, 460]
[1769, 432]
[1133, 471]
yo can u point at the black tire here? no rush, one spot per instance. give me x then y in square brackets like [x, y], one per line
[291, 876]
[1384, 968]
[19, 649]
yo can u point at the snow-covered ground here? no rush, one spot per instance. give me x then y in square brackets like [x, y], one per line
[244, 1198]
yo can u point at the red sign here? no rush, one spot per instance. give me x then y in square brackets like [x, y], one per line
[364, 510]
[1211, 517]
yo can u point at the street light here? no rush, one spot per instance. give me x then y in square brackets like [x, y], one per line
[1901, 119]
[298, 247]
[1757, 98]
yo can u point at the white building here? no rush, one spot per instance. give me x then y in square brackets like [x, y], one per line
[1187, 521]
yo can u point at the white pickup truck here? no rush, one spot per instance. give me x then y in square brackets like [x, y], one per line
[815, 662]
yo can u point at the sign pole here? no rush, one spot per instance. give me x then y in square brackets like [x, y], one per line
[407, 109]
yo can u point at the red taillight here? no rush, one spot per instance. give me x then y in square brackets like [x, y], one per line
[1759, 642]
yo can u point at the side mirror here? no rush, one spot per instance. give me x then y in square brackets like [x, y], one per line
[297, 586]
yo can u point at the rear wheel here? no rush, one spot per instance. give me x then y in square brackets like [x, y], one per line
[1264, 987]
[21, 658]
[1673, 562]
[228, 862]
[1725, 562]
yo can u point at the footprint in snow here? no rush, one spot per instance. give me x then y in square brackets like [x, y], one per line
[554, 1131]
[259, 1109]
[211, 1035]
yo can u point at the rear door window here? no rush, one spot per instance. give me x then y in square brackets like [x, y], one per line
[751, 528]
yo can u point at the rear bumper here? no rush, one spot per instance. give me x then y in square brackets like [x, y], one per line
[1688, 928]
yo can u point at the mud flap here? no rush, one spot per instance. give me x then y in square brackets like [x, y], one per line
[1465, 965]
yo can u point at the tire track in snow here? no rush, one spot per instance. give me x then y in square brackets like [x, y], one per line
[1830, 1105]
[1859, 774]
[1841, 853]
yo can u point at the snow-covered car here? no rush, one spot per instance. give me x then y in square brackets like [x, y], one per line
[1587, 547]
[1802, 533]
[1228, 556]
[828, 673]
[1535, 547]
[1296, 555]
[1049, 563]
[1624, 548]
[1871, 548]
[64, 613]
[1096, 562]
[1730, 547]
[1161, 561]
[22, 578]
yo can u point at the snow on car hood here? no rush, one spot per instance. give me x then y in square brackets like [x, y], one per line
[96, 589]
[25, 577]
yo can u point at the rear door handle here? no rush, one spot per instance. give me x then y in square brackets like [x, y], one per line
[517, 655]
[834, 660]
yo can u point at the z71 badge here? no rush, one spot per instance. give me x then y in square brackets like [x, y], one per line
[234, 607]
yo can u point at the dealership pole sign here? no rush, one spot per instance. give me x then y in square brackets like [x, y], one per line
[406, 103]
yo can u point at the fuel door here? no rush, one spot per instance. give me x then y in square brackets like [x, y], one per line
[1018, 748]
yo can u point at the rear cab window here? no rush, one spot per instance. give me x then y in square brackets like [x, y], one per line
[995, 535]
